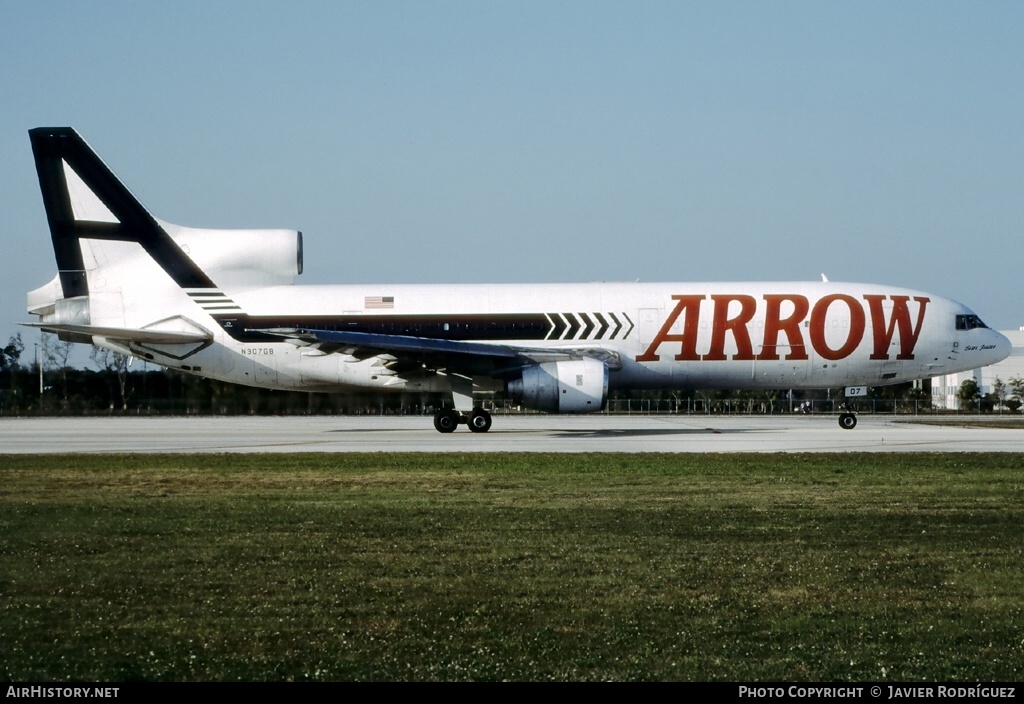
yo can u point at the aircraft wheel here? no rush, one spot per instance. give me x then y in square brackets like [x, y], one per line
[479, 421]
[446, 421]
[847, 421]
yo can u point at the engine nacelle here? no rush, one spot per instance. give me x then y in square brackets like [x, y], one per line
[575, 386]
[243, 257]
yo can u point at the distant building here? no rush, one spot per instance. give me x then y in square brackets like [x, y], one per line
[945, 388]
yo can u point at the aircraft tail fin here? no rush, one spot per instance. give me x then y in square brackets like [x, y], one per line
[85, 200]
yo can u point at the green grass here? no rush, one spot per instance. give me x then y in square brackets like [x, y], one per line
[523, 567]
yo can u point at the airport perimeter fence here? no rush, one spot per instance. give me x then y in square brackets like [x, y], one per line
[145, 396]
[158, 392]
[500, 407]
[749, 407]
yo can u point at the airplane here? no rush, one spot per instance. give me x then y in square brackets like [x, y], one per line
[223, 304]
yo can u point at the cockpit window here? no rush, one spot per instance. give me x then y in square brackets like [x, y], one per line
[969, 322]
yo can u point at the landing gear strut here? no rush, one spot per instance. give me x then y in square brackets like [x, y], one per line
[447, 420]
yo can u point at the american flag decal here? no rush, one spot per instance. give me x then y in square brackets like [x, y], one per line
[377, 302]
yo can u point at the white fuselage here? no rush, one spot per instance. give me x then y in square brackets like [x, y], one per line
[792, 335]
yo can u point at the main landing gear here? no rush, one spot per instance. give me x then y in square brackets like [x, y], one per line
[847, 421]
[447, 420]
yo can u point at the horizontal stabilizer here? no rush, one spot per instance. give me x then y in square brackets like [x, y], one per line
[166, 337]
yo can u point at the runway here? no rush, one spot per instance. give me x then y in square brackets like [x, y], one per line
[208, 434]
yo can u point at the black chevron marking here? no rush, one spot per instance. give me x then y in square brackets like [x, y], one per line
[588, 326]
[574, 326]
[630, 326]
[618, 325]
[557, 327]
[603, 328]
[551, 326]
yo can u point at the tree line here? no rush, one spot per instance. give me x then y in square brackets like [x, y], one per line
[1004, 396]
[45, 384]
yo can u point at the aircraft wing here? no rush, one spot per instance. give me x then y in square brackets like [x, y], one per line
[457, 356]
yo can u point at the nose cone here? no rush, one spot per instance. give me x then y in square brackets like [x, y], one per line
[1001, 347]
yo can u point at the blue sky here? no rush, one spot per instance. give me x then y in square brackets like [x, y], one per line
[535, 141]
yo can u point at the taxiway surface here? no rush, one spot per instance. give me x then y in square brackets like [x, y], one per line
[509, 434]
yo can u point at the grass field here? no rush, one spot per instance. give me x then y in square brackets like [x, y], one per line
[523, 567]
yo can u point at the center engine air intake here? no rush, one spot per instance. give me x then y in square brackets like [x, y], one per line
[248, 257]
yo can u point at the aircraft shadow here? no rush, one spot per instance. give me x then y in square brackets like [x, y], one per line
[577, 432]
[639, 432]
